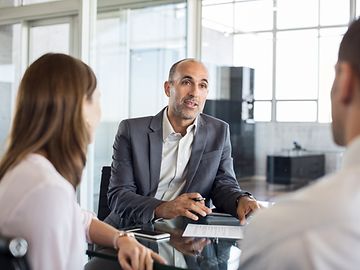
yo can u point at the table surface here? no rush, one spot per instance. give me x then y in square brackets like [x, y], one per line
[180, 252]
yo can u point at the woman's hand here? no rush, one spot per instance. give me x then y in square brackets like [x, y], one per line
[133, 256]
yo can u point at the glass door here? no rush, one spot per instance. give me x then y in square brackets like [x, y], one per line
[135, 48]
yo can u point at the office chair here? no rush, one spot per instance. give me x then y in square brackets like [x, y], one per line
[13, 253]
[104, 210]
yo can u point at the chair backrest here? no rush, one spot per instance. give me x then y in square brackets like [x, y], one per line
[13, 253]
[104, 210]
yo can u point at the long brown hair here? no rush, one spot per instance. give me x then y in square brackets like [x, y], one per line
[49, 115]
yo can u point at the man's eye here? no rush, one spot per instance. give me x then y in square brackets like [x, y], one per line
[187, 82]
[204, 86]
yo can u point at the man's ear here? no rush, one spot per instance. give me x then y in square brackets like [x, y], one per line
[167, 87]
[347, 78]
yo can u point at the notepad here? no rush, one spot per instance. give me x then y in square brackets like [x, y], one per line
[213, 231]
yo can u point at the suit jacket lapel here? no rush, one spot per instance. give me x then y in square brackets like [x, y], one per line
[155, 141]
[196, 152]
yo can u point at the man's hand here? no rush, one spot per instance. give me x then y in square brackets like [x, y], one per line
[184, 205]
[189, 246]
[245, 207]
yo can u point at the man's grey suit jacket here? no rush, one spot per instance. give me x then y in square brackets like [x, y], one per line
[135, 169]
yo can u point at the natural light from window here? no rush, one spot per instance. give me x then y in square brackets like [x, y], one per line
[291, 45]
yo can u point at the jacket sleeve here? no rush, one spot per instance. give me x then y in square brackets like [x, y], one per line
[123, 196]
[226, 189]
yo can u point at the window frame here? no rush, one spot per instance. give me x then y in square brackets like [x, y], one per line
[274, 31]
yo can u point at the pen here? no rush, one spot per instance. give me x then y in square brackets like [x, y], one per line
[199, 199]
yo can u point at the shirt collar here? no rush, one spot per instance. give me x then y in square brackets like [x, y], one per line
[352, 154]
[168, 129]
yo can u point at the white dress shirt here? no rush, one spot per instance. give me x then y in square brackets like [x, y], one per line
[176, 152]
[39, 205]
[317, 227]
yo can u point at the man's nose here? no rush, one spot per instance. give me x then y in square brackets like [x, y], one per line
[195, 90]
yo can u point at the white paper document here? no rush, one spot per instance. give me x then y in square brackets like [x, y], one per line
[213, 231]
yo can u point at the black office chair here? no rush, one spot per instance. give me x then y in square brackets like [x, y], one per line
[13, 253]
[104, 210]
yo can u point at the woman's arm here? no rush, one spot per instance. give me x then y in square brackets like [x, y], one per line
[131, 254]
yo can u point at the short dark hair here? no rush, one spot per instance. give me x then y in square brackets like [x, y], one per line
[174, 66]
[349, 50]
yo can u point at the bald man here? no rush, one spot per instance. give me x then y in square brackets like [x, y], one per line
[172, 164]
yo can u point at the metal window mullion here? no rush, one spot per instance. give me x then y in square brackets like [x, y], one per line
[25, 46]
[290, 29]
[87, 26]
[318, 64]
[231, 1]
[193, 28]
[127, 15]
[273, 100]
[74, 48]
[233, 31]
[301, 100]
[110, 5]
[352, 10]
[128, 59]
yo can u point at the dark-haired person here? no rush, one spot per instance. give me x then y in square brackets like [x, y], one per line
[318, 227]
[57, 111]
[165, 165]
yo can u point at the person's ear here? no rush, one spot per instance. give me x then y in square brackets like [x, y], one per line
[346, 85]
[167, 87]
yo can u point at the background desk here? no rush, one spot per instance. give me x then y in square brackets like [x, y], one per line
[294, 169]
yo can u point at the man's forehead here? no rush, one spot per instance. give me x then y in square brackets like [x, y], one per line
[192, 69]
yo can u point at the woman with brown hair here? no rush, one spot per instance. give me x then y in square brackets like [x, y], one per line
[57, 111]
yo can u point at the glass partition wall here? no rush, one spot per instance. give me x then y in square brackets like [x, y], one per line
[134, 44]
[135, 48]
[292, 48]
[131, 45]
[9, 75]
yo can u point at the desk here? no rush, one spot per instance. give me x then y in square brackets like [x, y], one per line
[180, 252]
[294, 168]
